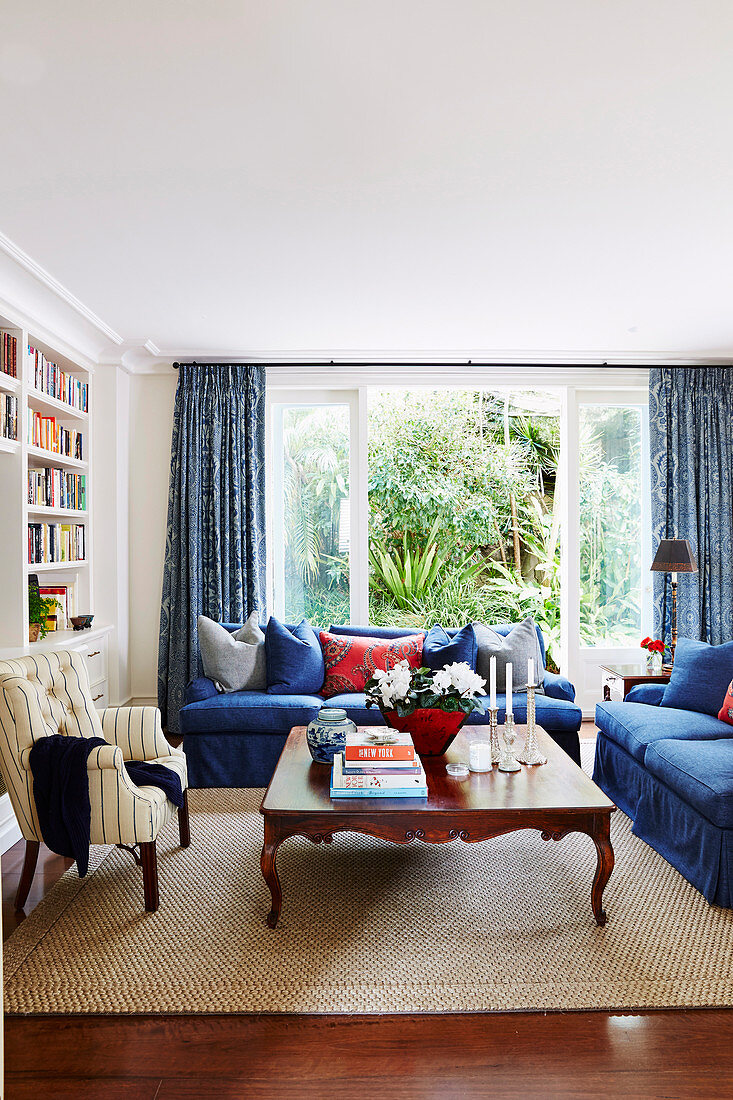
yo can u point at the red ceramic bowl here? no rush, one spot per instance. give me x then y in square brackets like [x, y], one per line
[432, 730]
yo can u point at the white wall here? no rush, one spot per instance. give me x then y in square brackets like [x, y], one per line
[151, 421]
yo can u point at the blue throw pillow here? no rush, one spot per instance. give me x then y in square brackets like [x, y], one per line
[700, 676]
[294, 658]
[439, 649]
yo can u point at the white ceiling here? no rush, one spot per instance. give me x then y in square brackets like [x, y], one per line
[301, 175]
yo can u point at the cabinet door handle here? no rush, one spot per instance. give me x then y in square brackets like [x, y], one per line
[100, 696]
[95, 654]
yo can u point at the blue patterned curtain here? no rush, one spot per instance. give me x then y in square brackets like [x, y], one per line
[215, 545]
[691, 444]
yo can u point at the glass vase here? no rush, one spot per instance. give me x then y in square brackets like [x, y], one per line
[654, 663]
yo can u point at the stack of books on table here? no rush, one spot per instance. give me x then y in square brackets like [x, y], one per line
[382, 764]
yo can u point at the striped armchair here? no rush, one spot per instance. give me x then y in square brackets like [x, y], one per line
[50, 694]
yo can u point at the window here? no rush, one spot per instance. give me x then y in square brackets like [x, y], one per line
[311, 513]
[398, 500]
[611, 493]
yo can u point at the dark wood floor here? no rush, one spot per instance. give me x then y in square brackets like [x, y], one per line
[575, 1055]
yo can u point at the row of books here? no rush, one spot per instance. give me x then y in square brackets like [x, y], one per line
[46, 432]
[50, 379]
[55, 542]
[378, 764]
[52, 488]
[8, 416]
[8, 353]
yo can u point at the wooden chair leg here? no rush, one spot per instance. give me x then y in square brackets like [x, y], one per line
[149, 860]
[26, 878]
[184, 827]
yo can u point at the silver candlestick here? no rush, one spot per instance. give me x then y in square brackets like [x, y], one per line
[494, 735]
[531, 754]
[508, 761]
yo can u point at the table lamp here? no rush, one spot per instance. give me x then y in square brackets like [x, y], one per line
[674, 556]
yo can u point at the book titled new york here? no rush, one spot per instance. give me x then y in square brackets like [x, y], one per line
[344, 785]
[378, 745]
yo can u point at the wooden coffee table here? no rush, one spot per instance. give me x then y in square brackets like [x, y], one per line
[555, 798]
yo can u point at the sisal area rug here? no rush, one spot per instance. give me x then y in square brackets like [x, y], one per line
[369, 927]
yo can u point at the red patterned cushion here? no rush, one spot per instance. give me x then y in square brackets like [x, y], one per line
[725, 714]
[351, 661]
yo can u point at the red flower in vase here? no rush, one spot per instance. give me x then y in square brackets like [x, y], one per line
[653, 645]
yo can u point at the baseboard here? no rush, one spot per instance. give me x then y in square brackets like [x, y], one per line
[144, 701]
[10, 832]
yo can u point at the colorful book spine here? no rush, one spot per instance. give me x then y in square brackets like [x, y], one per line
[51, 380]
[344, 785]
[49, 543]
[45, 432]
[54, 488]
[8, 416]
[8, 353]
[398, 767]
[379, 753]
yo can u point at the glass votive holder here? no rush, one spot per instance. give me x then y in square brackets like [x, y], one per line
[479, 756]
[458, 771]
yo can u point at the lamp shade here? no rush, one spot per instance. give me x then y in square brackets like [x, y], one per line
[674, 556]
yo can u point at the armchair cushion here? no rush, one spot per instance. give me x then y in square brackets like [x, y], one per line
[137, 731]
[651, 694]
[557, 687]
[199, 689]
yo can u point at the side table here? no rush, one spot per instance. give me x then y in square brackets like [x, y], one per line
[618, 680]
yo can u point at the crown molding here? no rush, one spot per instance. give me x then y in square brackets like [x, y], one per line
[18, 256]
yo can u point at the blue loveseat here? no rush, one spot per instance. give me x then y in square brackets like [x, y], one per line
[235, 739]
[671, 771]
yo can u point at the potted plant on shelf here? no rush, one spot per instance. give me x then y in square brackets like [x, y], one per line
[39, 610]
[430, 706]
[654, 654]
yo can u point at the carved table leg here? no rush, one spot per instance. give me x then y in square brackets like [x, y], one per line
[273, 839]
[602, 839]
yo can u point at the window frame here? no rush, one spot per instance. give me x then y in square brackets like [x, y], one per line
[325, 384]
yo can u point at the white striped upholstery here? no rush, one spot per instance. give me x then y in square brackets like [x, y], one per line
[49, 694]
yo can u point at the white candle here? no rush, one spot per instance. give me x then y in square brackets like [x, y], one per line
[509, 707]
[479, 756]
[530, 672]
[492, 682]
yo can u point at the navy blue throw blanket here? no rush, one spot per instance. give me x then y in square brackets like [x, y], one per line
[61, 791]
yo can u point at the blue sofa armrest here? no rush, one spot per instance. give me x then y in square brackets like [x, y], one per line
[200, 688]
[557, 687]
[651, 694]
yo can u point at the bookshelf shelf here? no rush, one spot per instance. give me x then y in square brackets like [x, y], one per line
[64, 513]
[8, 383]
[50, 458]
[54, 566]
[51, 406]
[9, 445]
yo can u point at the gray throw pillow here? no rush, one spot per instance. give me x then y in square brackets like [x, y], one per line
[520, 644]
[235, 662]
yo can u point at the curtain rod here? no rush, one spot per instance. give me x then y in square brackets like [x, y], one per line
[404, 363]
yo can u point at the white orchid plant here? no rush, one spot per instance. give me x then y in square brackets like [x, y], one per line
[404, 689]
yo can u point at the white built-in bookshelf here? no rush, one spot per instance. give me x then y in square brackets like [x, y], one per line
[62, 535]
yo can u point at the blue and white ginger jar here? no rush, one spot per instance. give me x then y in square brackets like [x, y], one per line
[326, 734]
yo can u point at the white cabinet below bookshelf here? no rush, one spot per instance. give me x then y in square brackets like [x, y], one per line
[62, 639]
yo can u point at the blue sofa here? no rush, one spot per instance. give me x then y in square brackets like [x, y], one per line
[671, 772]
[235, 739]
